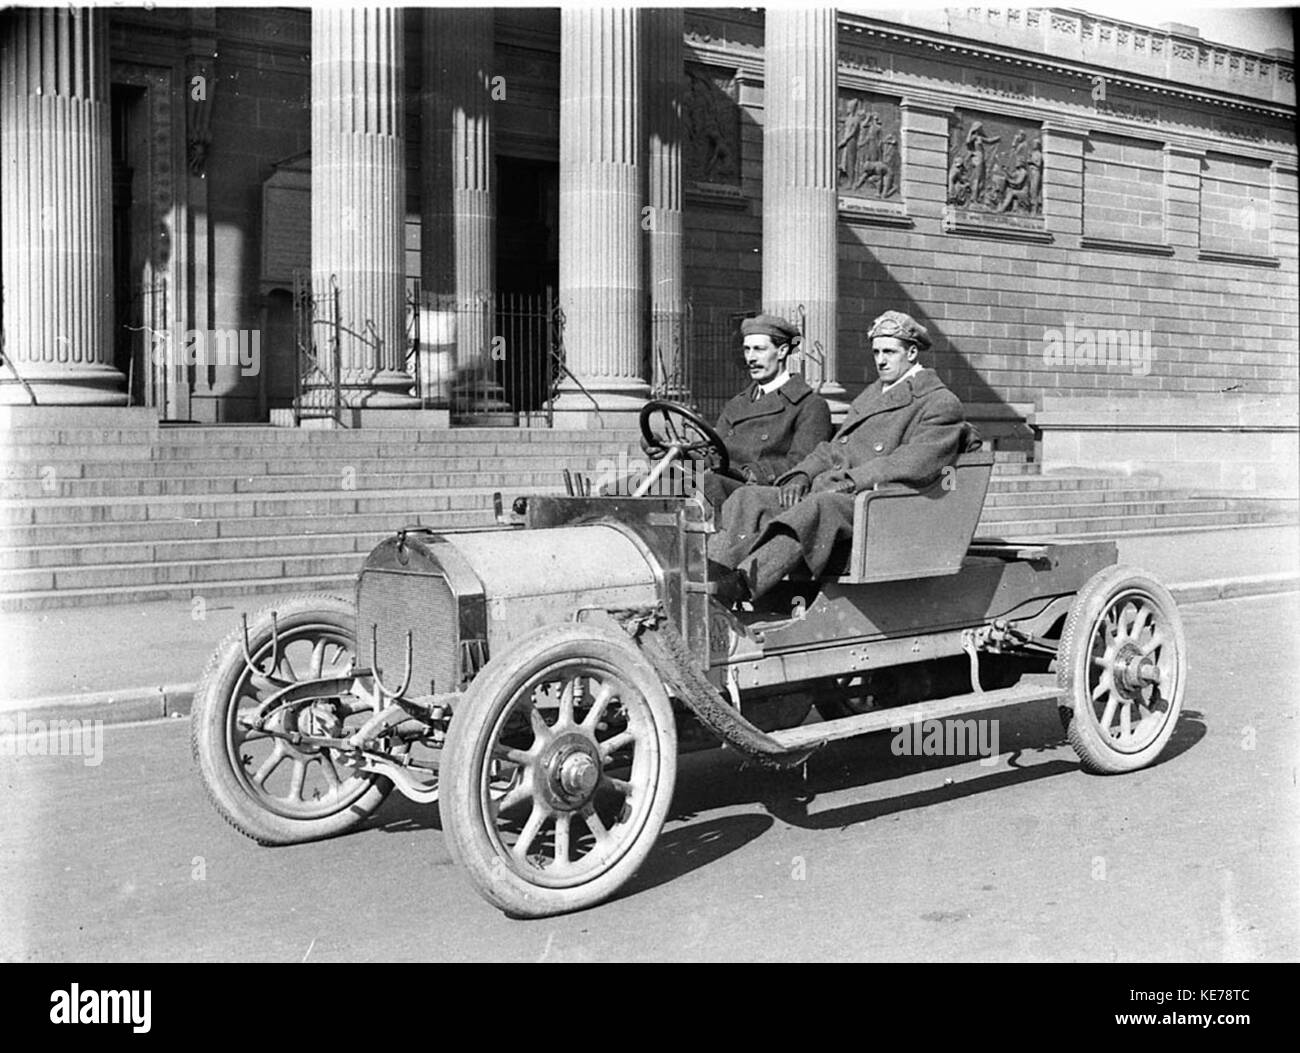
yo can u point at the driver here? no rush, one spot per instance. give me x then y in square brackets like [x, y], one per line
[775, 422]
[906, 428]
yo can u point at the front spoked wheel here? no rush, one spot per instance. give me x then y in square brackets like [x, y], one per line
[559, 770]
[261, 775]
[1122, 668]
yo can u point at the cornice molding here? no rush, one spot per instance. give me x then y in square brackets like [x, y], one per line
[864, 27]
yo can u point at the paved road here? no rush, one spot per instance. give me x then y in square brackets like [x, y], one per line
[870, 856]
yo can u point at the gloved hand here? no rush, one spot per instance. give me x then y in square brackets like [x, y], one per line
[835, 481]
[652, 450]
[794, 489]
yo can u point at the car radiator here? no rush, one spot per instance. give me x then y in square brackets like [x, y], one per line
[391, 602]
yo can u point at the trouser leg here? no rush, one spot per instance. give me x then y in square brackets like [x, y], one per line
[771, 562]
[744, 515]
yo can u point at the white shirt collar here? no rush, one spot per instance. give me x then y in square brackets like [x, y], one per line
[776, 383]
[916, 368]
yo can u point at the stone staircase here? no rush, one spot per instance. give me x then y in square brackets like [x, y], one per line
[93, 515]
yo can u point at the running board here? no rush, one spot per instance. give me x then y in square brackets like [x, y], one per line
[884, 719]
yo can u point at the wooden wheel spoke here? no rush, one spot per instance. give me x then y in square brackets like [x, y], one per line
[286, 665]
[269, 765]
[267, 684]
[615, 743]
[1125, 722]
[566, 703]
[299, 778]
[598, 706]
[598, 829]
[1140, 622]
[621, 785]
[1109, 714]
[1103, 685]
[563, 823]
[518, 793]
[528, 835]
[511, 754]
[317, 666]
[1156, 642]
[329, 772]
[541, 731]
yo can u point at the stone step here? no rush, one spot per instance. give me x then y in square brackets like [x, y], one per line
[161, 530]
[185, 506]
[346, 479]
[282, 437]
[1107, 526]
[340, 452]
[260, 592]
[180, 572]
[1083, 509]
[228, 477]
[192, 549]
[214, 468]
[997, 498]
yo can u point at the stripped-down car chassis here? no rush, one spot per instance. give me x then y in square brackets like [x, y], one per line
[539, 682]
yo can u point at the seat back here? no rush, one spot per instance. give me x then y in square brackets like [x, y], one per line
[908, 532]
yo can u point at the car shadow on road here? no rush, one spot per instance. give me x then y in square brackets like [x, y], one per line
[691, 847]
[1032, 746]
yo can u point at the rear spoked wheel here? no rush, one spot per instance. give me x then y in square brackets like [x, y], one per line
[1122, 668]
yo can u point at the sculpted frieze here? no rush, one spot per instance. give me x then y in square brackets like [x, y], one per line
[868, 154]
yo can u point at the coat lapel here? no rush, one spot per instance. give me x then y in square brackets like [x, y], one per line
[765, 406]
[792, 391]
[873, 400]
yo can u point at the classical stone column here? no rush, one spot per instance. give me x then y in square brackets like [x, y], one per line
[56, 208]
[602, 290]
[358, 196]
[458, 210]
[799, 186]
[663, 30]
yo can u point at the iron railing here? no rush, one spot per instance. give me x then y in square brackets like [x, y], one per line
[317, 326]
[490, 359]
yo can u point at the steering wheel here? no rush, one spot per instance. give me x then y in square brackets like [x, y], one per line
[704, 440]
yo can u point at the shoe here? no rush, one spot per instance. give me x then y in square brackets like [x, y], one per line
[729, 587]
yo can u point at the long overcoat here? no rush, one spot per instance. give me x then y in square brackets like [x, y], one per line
[770, 435]
[907, 434]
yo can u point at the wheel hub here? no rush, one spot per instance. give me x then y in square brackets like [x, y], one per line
[572, 772]
[1133, 670]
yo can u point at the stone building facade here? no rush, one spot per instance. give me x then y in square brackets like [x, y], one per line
[1096, 219]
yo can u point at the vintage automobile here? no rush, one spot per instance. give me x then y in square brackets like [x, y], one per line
[539, 681]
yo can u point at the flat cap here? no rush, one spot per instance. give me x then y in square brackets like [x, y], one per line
[903, 326]
[777, 328]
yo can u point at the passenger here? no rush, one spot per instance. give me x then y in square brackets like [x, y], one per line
[906, 427]
[775, 422]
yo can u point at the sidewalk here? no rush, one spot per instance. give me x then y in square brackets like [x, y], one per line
[122, 663]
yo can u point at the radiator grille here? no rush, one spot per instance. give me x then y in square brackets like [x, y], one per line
[422, 603]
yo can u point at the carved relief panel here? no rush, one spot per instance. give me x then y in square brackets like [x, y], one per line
[711, 121]
[995, 165]
[868, 150]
